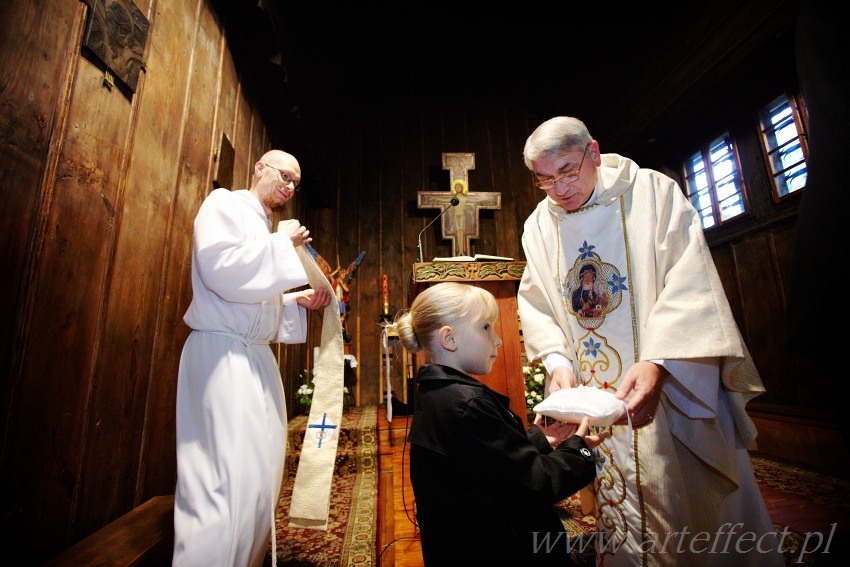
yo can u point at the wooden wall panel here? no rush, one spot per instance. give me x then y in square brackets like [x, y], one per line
[369, 275]
[32, 108]
[340, 237]
[189, 187]
[782, 245]
[519, 125]
[763, 314]
[506, 236]
[781, 238]
[70, 286]
[228, 96]
[436, 179]
[150, 163]
[37, 478]
[243, 167]
[394, 139]
[724, 261]
[393, 148]
[413, 180]
[258, 146]
[478, 136]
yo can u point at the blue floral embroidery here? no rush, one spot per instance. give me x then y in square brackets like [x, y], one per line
[591, 347]
[586, 250]
[617, 283]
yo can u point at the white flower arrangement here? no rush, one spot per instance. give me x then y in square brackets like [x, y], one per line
[304, 394]
[534, 376]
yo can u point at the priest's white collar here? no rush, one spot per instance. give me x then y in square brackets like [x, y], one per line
[559, 211]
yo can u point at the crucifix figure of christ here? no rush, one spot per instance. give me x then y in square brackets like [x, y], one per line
[460, 223]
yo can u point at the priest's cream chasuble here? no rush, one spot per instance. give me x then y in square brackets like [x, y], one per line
[612, 284]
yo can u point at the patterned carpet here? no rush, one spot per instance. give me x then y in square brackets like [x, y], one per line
[352, 523]
[824, 498]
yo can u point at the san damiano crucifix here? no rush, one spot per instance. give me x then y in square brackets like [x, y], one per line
[460, 223]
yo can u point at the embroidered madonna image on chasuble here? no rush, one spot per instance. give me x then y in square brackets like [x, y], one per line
[593, 290]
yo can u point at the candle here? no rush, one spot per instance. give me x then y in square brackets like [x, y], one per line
[385, 293]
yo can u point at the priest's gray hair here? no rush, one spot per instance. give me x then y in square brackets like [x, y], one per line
[555, 137]
[439, 305]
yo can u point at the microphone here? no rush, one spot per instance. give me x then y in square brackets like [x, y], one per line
[454, 201]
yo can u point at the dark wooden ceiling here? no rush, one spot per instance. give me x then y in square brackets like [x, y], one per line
[633, 73]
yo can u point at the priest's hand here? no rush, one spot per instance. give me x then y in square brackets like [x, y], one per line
[296, 231]
[562, 377]
[313, 298]
[643, 380]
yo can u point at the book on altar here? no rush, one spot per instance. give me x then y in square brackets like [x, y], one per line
[476, 258]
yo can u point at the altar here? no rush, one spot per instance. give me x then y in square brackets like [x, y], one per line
[502, 280]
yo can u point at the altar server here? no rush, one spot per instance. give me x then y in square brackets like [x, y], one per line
[231, 417]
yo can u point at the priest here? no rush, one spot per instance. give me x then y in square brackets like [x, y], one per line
[679, 488]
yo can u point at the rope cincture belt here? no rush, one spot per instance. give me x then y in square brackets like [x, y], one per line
[311, 492]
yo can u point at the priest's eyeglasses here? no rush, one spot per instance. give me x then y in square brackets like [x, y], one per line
[568, 177]
[285, 177]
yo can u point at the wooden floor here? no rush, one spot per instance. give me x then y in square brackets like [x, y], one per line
[399, 544]
[398, 539]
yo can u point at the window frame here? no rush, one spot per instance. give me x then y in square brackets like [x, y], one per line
[801, 119]
[705, 152]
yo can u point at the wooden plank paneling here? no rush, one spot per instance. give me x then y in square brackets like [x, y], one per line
[143, 227]
[394, 148]
[71, 281]
[341, 238]
[228, 97]
[369, 276]
[519, 125]
[243, 167]
[506, 236]
[435, 179]
[191, 185]
[481, 179]
[413, 175]
[724, 261]
[33, 107]
[40, 394]
[763, 315]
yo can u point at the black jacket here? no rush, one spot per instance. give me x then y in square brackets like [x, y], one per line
[484, 487]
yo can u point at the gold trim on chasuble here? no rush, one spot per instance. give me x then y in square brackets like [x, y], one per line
[589, 307]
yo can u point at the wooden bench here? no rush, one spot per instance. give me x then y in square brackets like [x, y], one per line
[142, 536]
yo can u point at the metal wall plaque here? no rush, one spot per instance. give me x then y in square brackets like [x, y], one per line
[116, 33]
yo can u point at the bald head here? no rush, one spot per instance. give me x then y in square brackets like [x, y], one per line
[273, 156]
[276, 178]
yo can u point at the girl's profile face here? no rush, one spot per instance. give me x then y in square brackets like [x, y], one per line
[477, 343]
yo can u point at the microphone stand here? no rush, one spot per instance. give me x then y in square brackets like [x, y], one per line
[454, 201]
